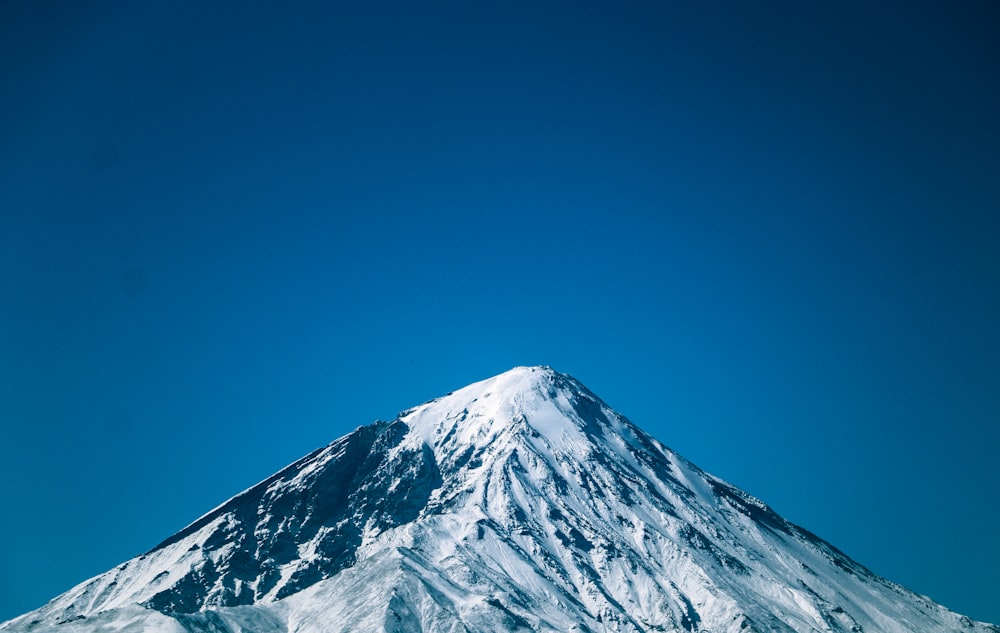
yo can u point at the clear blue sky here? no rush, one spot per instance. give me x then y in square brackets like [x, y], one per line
[768, 235]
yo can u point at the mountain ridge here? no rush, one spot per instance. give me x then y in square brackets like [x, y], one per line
[520, 502]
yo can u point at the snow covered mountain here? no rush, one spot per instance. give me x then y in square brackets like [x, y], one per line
[519, 503]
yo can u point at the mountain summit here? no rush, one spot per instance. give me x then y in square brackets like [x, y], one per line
[519, 503]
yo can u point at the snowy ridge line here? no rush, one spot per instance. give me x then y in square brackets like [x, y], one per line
[206, 518]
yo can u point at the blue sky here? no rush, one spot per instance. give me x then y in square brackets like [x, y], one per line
[767, 235]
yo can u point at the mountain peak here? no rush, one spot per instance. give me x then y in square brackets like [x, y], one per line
[509, 385]
[535, 399]
[518, 503]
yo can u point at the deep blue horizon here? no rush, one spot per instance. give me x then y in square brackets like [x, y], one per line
[768, 236]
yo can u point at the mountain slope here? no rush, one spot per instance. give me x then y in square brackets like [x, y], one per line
[521, 502]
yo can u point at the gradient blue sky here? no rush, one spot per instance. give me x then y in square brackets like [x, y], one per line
[768, 235]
